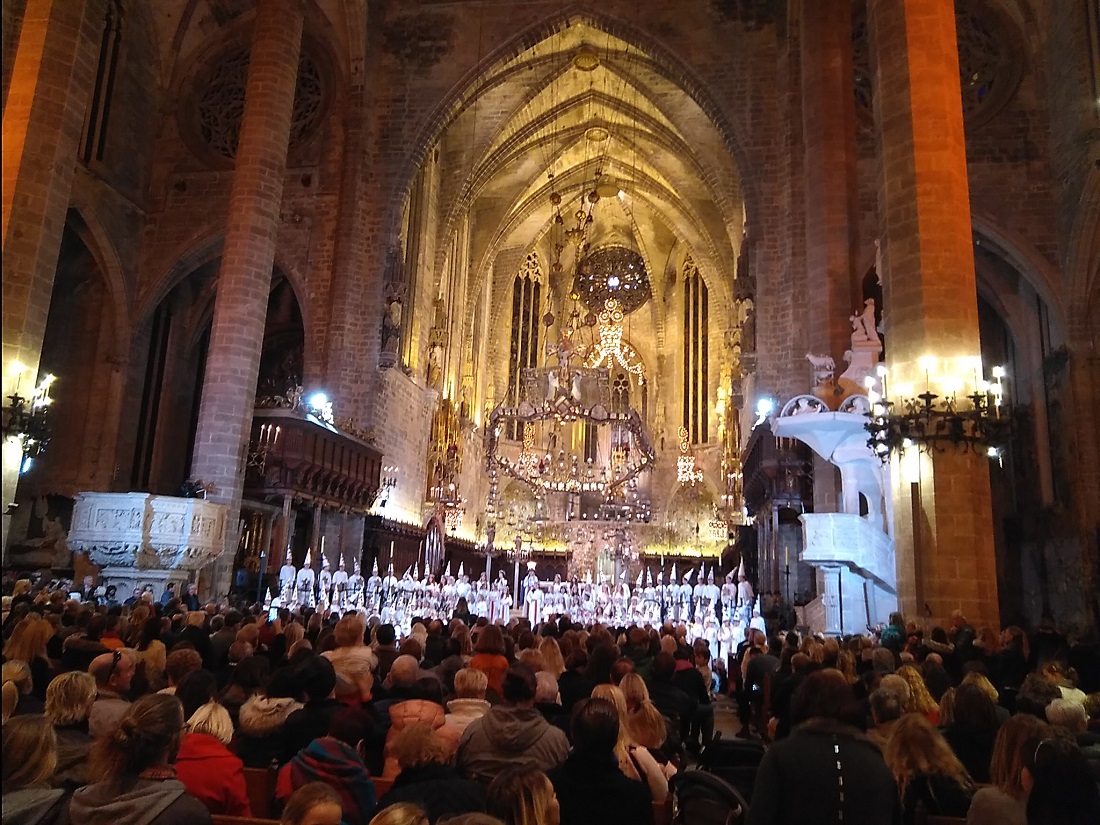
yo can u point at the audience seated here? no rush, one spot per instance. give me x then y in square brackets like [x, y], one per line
[797, 780]
[929, 775]
[427, 778]
[523, 796]
[489, 657]
[112, 673]
[886, 710]
[205, 765]
[973, 730]
[591, 788]
[333, 759]
[352, 660]
[30, 758]
[260, 725]
[427, 710]
[1005, 801]
[315, 803]
[512, 734]
[469, 702]
[69, 700]
[180, 662]
[635, 761]
[318, 680]
[1061, 789]
[136, 784]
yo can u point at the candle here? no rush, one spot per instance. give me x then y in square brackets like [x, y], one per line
[787, 556]
[391, 549]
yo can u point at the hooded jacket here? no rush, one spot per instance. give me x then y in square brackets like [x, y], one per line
[335, 763]
[439, 789]
[146, 802]
[212, 775]
[461, 712]
[34, 805]
[408, 713]
[507, 736]
[259, 740]
[73, 743]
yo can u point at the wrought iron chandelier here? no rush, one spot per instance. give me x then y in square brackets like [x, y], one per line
[978, 421]
[26, 420]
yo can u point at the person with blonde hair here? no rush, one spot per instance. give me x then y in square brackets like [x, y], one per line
[135, 781]
[352, 659]
[30, 757]
[552, 660]
[18, 674]
[1004, 802]
[635, 761]
[69, 700]
[427, 778]
[920, 700]
[645, 724]
[403, 813]
[928, 773]
[27, 644]
[11, 699]
[523, 796]
[205, 766]
[469, 702]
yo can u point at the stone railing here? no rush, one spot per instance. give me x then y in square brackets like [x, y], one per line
[141, 531]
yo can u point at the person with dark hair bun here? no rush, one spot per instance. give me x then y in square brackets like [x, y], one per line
[827, 770]
[136, 782]
[590, 786]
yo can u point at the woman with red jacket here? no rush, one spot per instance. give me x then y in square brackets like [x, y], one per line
[206, 767]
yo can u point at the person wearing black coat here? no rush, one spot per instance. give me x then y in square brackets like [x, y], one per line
[590, 787]
[427, 780]
[827, 770]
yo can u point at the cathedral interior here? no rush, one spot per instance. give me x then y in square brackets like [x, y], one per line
[500, 282]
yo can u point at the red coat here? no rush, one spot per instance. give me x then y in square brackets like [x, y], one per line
[212, 774]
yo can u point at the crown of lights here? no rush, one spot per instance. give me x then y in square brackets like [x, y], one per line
[611, 347]
[686, 471]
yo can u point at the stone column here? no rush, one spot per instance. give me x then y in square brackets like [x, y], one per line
[51, 80]
[942, 510]
[831, 193]
[244, 280]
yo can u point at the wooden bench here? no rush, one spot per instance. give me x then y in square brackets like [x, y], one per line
[225, 819]
[381, 786]
[259, 785]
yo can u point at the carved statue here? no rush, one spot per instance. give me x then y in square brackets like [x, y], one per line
[435, 366]
[391, 324]
[748, 327]
[823, 369]
[863, 324]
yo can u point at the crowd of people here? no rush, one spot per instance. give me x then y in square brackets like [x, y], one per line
[148, 713]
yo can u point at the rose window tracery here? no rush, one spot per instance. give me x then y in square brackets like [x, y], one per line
[613, 272]
[990, 62]
[220, 102]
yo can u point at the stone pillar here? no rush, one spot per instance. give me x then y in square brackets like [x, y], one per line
[831, 192]
[50, 81]
[942, 509]
[244, 280]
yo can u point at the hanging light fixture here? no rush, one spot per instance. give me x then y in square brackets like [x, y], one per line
[26, 420]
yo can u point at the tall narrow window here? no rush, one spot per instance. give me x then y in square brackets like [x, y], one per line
[696, 307]
[94, 139]
[526, 310]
